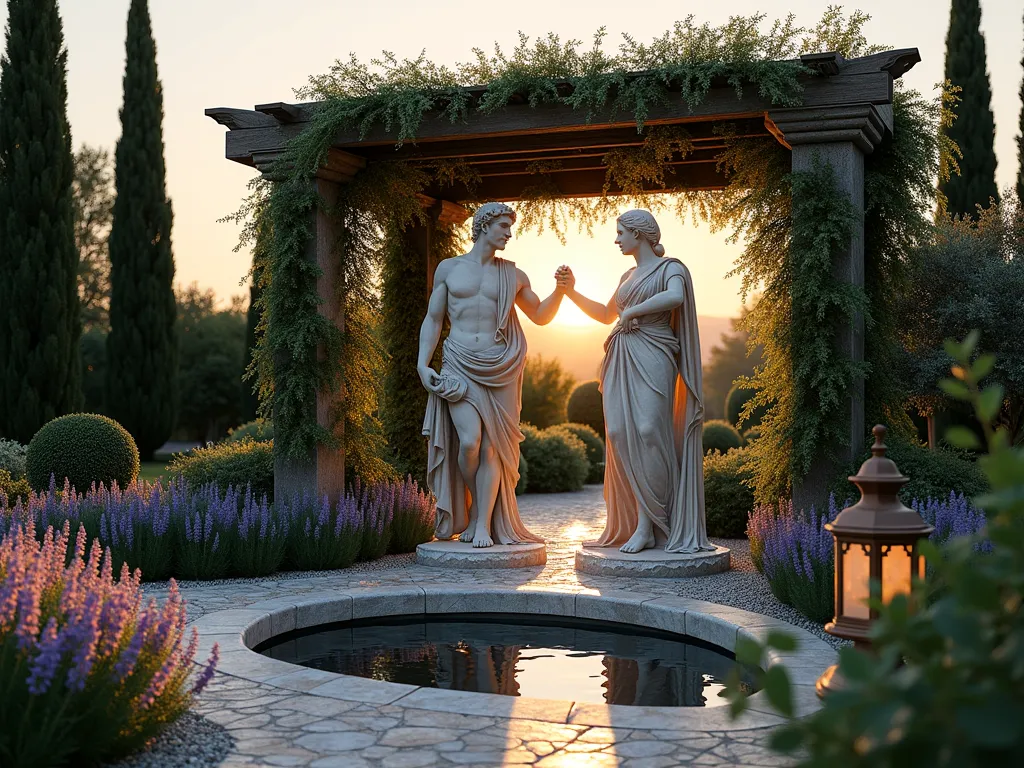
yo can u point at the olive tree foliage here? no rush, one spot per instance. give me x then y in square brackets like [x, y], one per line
[970, 277]
[93, 198]
[546, 390]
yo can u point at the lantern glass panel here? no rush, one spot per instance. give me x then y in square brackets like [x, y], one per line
[921, 566]
[856, 581]
[896, 572]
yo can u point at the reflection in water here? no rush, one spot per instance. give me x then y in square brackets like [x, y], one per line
[518, 656]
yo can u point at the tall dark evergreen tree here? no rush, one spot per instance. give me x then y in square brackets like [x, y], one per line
[1020, 144]
[40, 371]
[142, 350]
[974, 130]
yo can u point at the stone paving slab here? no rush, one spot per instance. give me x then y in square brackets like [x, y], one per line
[286, 719]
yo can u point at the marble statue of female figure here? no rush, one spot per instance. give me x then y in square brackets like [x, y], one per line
[653, 411]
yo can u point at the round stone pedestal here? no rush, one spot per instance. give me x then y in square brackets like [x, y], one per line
[652, 563]
[458, 554]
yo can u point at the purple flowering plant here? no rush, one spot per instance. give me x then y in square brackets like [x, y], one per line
[413, 517]
[88, 672]
[796, 554]
[322, 537]
[207, 533]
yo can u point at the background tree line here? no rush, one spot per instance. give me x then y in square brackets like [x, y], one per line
[88, 309]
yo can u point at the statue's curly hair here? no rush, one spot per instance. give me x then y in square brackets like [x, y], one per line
[487, 213]
[643, 224]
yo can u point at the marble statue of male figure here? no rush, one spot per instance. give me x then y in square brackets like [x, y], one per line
[472, 418]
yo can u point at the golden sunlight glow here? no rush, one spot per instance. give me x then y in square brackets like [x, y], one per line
[577, 530]
[571, 315]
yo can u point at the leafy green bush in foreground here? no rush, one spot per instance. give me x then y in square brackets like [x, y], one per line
[12, 458]
[944, 685]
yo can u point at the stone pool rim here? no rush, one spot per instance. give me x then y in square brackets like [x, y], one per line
[238, 630]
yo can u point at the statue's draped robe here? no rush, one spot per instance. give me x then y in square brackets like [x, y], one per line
[491, 381]
[651, 383]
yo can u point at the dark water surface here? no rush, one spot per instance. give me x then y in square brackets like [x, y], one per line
[518, 655]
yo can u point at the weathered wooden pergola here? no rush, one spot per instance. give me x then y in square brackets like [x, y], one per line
[845, 114]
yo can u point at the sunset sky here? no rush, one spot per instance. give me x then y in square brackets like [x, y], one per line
[242, 52]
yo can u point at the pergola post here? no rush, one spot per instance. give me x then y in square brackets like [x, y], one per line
[838, 137]
[322, 470]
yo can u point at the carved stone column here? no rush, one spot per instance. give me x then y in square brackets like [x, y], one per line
[839, 137]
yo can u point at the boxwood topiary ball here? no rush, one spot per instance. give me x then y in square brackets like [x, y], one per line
[721, 436]
[586, 406]
[85, 448]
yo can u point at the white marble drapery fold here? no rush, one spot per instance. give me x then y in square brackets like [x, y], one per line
[491, 381]
[651, 385]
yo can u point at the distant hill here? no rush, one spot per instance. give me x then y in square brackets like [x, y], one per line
[580, 347]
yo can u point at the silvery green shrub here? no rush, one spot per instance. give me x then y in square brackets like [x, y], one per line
[12, 458]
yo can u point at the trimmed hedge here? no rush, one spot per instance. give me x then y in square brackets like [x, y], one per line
[255, 430]
[721, 436]
[85, 448]
[229, 464]
[728, 501]
[595, 449]
[557, 460]
[586, 406]
[524, 475]
[933, 474]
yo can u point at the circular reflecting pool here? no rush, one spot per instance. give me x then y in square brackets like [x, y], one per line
[519, 655]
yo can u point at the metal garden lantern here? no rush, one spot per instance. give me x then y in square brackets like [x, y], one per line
[875, 541]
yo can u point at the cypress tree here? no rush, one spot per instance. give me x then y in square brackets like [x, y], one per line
[142, 347]
[1020, 144]
[974, 129]
[40, 371]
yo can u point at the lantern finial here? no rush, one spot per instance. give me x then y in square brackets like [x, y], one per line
[879, 448]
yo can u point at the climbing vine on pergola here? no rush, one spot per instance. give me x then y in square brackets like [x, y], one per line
[795, 138]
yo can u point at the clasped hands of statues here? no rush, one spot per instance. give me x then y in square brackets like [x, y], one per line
[565, 280]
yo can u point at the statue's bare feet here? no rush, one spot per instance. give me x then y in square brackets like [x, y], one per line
[642, 538]
[638, 542]
[482, 538]
[470, 533]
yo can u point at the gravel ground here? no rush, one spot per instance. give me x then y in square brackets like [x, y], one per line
[191, 742]
[743, 587]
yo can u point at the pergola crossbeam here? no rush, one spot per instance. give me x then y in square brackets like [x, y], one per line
[845, 112]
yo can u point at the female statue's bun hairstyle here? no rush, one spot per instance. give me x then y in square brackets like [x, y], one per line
[644, 225]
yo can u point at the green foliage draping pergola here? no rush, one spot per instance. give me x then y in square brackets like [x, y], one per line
[789, 223]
